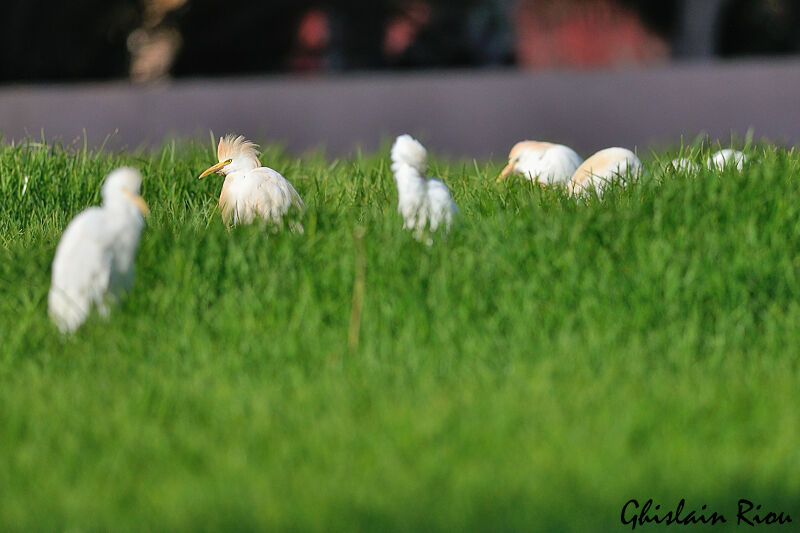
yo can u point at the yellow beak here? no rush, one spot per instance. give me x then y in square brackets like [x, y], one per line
[505, 172]
[216, 168]
[139, 202]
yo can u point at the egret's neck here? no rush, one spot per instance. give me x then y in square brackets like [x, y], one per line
[123, 213]
[410, 184]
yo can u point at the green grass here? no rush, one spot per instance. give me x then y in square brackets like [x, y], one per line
[545, 363]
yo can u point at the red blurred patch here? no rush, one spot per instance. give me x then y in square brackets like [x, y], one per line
[583, 34]
[402, 30]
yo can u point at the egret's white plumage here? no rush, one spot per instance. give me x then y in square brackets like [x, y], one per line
[423, 202]
[602, 168]
[542, 162]
[725, 158]
[682, 164]
[94, 259]
[251, 191]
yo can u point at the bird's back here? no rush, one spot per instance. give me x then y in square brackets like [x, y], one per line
[682, 164]
[81, 269]
[726, 157]
[602, 168]
[258, 193]
[441, 206]
[559, 163]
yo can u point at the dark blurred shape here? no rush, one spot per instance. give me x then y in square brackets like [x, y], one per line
[154, 45]
[358, 30]
[759, 27]
[246, 36]
[149, 40]
[661, 16]
[698, 28]
[403, 29]
[312, 42]
[63, 41]
[427, 34]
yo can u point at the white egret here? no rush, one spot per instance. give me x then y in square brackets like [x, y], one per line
[682, 164]
[251, 191]
[423, 202]
[542, 162]
[725, 158]
[94, 259]
[602, 168]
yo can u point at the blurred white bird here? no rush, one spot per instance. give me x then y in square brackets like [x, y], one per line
[94, 258]
[542, 162]
[688, 166]
[251, 191]
[423, 202]
[725, 158]
[602, 168]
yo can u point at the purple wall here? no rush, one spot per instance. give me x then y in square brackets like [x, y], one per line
[474, 114]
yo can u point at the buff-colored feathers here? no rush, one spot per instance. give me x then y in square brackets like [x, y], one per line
[251, 192]
[528, 145]
[542, 162]
[603, 168]
[231, 145]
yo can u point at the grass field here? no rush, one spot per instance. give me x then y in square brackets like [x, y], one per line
[546, 363]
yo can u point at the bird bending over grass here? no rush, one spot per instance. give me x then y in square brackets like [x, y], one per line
[423, 202]
[685, 165]
[542, 162]
[725, 158]
[94, 258]
[608, 165]
[251, 191]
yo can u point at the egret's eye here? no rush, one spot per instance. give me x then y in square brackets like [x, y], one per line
[229, 161]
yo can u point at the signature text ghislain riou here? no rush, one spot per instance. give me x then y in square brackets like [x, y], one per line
[748, 514]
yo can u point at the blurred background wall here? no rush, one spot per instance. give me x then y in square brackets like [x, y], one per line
[157, 43]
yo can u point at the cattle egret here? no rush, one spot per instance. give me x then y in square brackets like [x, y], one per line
[682, 164]
[602, 168]
[542, 162]
[251, 191]
[94, 258]
[725, 158]
[423, 202]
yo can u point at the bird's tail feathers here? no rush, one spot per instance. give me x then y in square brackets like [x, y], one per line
[297, 201]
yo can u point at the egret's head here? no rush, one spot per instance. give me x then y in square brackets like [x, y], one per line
[234, 154]
[522, 155]
[408, 151]
[123, 184]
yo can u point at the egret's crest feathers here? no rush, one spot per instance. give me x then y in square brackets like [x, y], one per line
[232, 146]
[528, 145]
[251, 191]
